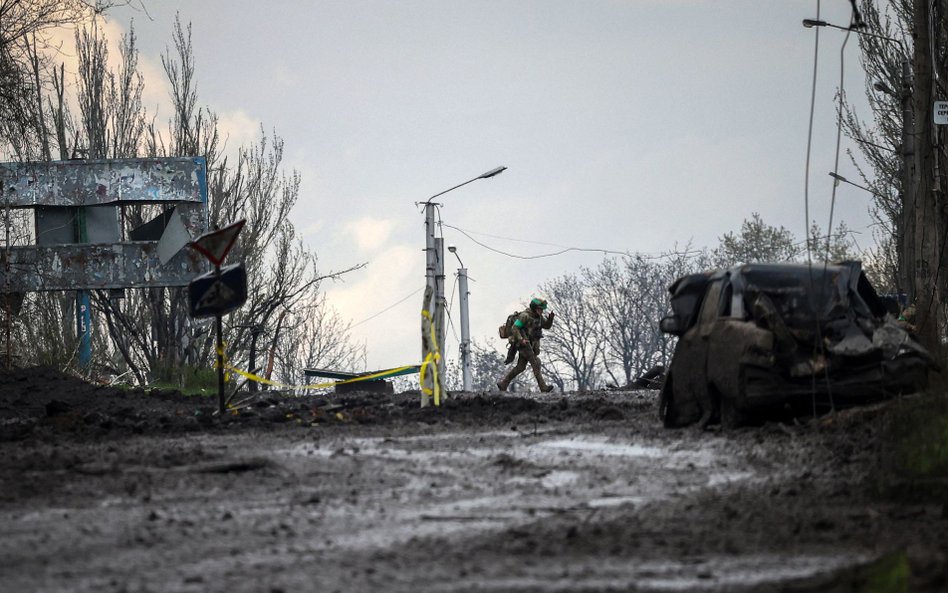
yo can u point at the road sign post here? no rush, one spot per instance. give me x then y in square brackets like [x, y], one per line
[219, 292]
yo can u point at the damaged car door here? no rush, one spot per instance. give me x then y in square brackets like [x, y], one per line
[685, 395]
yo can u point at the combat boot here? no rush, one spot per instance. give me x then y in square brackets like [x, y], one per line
[502, 384]
[546, 388]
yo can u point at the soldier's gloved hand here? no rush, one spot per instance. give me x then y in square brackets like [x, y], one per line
[524, 342]
[551, 314]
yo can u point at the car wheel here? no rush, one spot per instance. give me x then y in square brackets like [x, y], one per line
[666, 404]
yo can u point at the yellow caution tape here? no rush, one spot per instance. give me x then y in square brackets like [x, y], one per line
[259, 379]
[222, 357]
[431, 359]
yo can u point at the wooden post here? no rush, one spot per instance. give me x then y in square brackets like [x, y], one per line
[928, 231]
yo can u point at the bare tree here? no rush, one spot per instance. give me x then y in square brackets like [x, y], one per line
[833, 247]
[25, 26]
[312, 335]
[487, 366]
[575, 342]
[757, 241]
[149, 331]
[628, 298]
[881, 264]
[906, 62]
[884, 143]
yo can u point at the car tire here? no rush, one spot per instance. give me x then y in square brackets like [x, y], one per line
[666, 404]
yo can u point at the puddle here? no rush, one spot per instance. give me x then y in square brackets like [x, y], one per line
[403, 447]
[501, 442]
[604, 448]
[720, 478]
[615, 501]
[538, 477]
[559, 478]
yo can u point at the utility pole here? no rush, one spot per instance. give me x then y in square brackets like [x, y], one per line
[434, 272]
[465, 329]
[906, 248]
[928, 231]
[440, 303]
[434, 304]
[465, 322]
[431, 256]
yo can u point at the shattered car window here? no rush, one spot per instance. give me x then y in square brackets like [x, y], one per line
[799, 295]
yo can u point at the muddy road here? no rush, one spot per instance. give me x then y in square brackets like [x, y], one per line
[105, 490]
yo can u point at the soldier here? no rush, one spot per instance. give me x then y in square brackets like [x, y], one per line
[525, 339]
[907, 319]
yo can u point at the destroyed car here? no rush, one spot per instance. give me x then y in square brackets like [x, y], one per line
[796, 338]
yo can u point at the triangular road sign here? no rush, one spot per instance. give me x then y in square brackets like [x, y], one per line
[218, 293]
[215, 245]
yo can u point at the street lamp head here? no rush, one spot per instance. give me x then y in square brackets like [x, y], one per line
[490, 173]
[493, 172]
[838, 177]
[883, 88]
[853, 27]
[454, 250]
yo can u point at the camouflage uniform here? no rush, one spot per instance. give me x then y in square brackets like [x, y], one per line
[907, 319]
[529, 326]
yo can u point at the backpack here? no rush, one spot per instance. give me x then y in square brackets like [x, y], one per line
[504, 330]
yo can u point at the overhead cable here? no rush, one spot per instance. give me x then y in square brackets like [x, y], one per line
[809, 137]
[399, 302]
[514, 255]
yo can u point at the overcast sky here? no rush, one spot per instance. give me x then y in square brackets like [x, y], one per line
[628, 125]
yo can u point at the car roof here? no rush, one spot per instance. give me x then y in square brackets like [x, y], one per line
[756, 272]
[692, 283]
[796, 270]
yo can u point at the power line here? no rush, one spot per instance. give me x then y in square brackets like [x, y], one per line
[809, 139]
[399, 302]
[468, 233]
[451, 306]
[509, 238]
[514, 255]
[839, 123]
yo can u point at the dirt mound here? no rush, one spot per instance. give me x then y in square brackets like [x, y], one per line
[40, 401]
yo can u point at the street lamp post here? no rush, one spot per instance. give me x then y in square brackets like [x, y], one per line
[465, 321]
[434, 266]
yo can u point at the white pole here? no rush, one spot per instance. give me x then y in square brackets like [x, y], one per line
[440, 302]
[429, 303]
[465, 329]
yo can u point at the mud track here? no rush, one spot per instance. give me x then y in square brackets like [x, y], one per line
[116, 491]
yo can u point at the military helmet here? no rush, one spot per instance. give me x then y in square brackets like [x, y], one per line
[536, 302]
